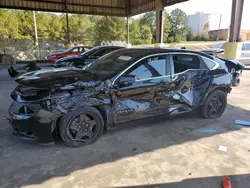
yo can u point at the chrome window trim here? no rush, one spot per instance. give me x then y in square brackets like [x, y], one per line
[166, 53]
[187, 71]
[152, 78]
[189, 53]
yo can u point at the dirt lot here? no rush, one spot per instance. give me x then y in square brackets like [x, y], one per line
[172, 152]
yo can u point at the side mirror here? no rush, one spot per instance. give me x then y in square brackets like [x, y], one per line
[126, 80]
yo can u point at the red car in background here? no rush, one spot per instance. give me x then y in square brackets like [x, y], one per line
[74, 51]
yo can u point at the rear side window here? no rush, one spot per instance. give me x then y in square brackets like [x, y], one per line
[183, 62]
[210, 64]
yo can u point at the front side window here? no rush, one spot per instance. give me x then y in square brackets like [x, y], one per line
[183, 62]
[149, 68]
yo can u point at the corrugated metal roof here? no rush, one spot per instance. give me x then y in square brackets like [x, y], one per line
[97, 7]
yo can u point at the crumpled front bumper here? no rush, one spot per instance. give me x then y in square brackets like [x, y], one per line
[38, 126]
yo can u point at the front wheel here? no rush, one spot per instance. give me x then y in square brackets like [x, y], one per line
[215, 105]
[81, 127]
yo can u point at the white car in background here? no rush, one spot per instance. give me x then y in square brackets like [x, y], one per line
[245, 51]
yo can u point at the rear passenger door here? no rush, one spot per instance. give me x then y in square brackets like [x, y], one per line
[189, 82]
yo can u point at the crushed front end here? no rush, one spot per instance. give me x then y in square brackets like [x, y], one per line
[31, 114]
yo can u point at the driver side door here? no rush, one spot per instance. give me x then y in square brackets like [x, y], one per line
[148, 94]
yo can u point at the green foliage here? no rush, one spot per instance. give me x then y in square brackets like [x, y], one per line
[25, 26]
[190, 34]
[146, 34]
[8, 25]
[149, 19]
[110, 28]
[92, 30]
[167, 27]
[140, 33]
[179, 25]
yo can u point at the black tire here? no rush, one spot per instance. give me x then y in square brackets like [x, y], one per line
[236, 82]
[208, 111]
[69, 128]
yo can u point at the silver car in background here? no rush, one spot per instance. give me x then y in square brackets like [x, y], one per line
[245, 51]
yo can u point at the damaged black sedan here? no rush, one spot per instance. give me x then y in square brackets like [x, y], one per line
[125, 85]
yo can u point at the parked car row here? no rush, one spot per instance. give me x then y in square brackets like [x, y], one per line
[85, 57]
[76, 50]
[119, 87]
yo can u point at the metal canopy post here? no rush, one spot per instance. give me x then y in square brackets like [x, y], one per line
[127, 12]
[236, 17]
[36, 36]
[35, 28]
[159, 20]
[239, 19]
[67, 22]
[127, 30]
[233, 47]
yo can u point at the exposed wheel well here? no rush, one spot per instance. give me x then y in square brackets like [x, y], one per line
[224, 89]
[104, 115]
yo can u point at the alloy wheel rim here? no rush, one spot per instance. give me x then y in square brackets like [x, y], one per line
[82, 128]
[215, 106]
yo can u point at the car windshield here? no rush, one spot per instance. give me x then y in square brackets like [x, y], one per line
[110, 64]
[91, 51]
[69, 49]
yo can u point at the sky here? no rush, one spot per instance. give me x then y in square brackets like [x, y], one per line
[215, 6]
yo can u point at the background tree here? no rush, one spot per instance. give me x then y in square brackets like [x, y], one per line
[110, 28]
[91, 30]
[42, 22]
[149, 19]
[26, 27]
[204, 35]
[8, 25]
[167, 27]
[146, 34]
[134, 32]
[190, 34]
[179, 25]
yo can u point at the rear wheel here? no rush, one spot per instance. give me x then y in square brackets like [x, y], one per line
[215, 105]
[81, 127]
[236, 82]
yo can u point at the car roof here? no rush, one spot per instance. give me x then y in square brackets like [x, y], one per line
[81, 46]
[141, 52]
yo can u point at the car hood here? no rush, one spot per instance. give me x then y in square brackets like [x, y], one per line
[60, 78]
